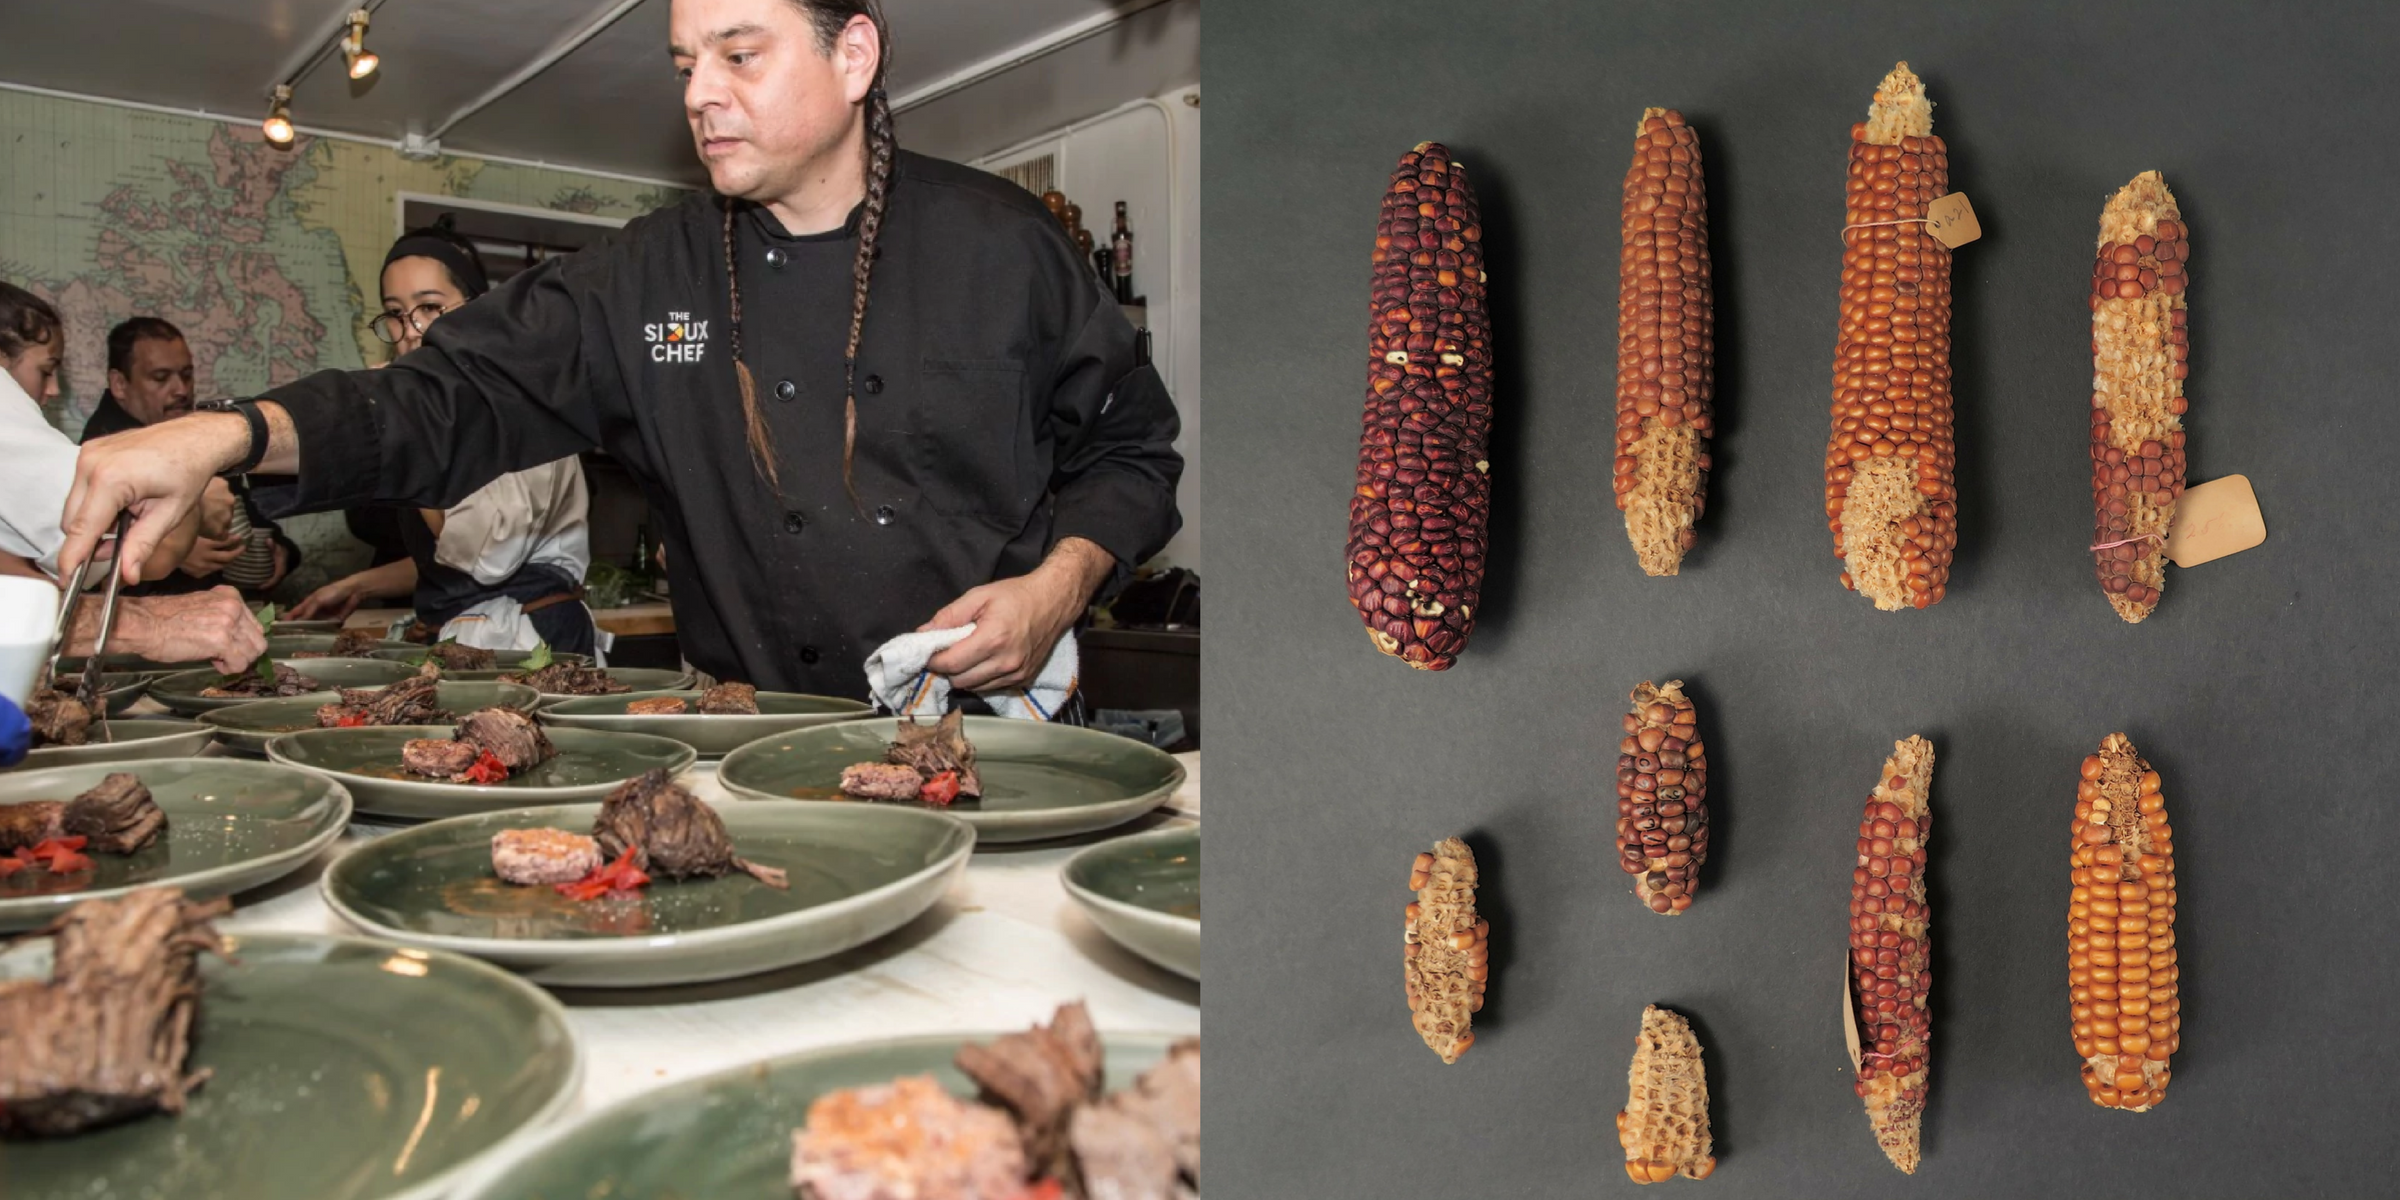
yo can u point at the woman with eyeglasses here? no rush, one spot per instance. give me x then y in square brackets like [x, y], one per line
[501, 567]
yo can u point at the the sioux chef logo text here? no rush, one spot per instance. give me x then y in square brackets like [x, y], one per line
[679, 338]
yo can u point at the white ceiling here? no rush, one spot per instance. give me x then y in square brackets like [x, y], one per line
[611, 105]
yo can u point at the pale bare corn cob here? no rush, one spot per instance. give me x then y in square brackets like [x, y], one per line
[1666, 343]
[2139, 348]
[1890, 945]
[2121, 961]
[1664, 1124]
[1447, 949]
[1891, 494]
[1662, 798]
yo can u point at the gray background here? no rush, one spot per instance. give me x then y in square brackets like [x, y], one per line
[2260, 689]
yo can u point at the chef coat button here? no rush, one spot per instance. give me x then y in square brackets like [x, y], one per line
[883, 514]
[793, 522]
[808, 655]
[785, 389]
[776, 258]
[874, 385]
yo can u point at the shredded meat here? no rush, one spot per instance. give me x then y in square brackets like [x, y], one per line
[672, 832]
[569, 679]
[58, 718]
[933, 749]
[288, 682]
[117, 816]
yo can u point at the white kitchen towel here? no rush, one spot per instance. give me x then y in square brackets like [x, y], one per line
[900, 684]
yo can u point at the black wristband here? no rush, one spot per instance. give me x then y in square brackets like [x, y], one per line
[249, 411]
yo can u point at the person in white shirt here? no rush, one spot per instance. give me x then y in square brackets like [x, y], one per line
[213, 625]
[504, 566]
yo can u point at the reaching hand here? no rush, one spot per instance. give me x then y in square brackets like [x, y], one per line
[210, 555]
[335, 601]
[215, 625]
[156, 473]
[1018, 621]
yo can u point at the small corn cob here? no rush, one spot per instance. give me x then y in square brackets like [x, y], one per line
[1891, 494]
[1662, 798]
[1424, 486]
[1666, 356]
[1890, 944]
[1447, 949]
[2121, 968]
[1664, 1124]
[2139, 348]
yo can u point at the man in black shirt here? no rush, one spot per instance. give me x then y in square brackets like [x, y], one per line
[866, 391]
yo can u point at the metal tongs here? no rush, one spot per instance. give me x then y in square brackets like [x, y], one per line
[88, 690]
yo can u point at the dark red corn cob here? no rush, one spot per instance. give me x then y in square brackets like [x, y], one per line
[1417, 519]
[1889, 950]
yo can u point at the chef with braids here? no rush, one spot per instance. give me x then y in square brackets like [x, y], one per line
[867, 392]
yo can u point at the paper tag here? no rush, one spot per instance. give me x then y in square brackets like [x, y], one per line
[2215, 519]
[1849, 1016]
[1951, 220]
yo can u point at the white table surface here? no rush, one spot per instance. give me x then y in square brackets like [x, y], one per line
[1002, 950]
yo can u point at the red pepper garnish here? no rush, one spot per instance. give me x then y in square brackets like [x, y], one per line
[941, 789]
[58, 854]
[1048, 1189]
[487, 769]
[352, 721]
[619, 878]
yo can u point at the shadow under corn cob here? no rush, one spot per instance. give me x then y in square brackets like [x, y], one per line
[2139, 347]
[2121, 959]
[1664, 1124]
[1446, 950]
[1662, 798]
[1890, 946]
[1891, 494]
[1417, 518]
[1666, 344]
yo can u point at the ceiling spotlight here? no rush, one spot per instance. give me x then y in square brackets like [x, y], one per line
[278, 125]
[354, 47]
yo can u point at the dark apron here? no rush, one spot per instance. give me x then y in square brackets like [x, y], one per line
[443, 593]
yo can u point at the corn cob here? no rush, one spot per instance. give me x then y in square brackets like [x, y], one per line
[2139, 345]
[1889, 949]
[1664, 1124]
[1662, 798]
[1424, 487]
[1891, 496]
[1666, 356]
[2121, 968]
[1447, 949]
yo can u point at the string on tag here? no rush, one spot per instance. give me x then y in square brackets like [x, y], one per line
[2147, 537]
[1873, 224]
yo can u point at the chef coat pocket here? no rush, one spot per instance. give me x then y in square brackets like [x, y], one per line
[970, 438]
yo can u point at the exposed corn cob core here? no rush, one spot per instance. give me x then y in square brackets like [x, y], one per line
[1662, 798]
[1891, 494]
[2139, 348]
[1664, 1124]
[1424, 485]
[1890, 946]
[2121, 966]
[1666, 343]
[1447, 949]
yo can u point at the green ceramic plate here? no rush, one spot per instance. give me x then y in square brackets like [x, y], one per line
[285, 626]
[246, 727]
[712, 735]
[367, 760]
[728, 1136]
[856, 874]
[119, 690]
[1144, 891]
[181, 691]
[128, 739]
[343, 1070]
[1039, 780]
[114, 663]
[410, 653]
[282, 645]
[638, 678]
[231, 825]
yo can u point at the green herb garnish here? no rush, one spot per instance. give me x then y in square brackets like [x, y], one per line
[539, 658]
[266, 617]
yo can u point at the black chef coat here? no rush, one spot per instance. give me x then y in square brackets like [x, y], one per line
[999, 410]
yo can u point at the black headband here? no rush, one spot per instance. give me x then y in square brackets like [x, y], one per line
[465, 269]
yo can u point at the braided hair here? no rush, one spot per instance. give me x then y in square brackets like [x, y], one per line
[830, 18]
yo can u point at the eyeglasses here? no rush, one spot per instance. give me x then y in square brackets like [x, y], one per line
[387, 326]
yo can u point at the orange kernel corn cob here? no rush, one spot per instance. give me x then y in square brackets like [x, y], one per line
[1891, 492]
[1447, 949]
[1664, 1124]
[1890, 947]
[1666, 344]
[2121, 961]
[2140, 344]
